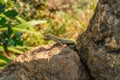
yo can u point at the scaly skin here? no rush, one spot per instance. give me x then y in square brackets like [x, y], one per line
[61, 41]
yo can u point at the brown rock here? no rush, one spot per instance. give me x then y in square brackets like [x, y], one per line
[50, 62]
[99, 46]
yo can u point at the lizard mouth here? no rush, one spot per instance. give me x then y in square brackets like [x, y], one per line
[47, 36]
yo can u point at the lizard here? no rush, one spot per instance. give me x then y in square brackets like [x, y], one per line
[70, 43]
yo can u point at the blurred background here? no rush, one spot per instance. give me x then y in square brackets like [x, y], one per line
[24, 22]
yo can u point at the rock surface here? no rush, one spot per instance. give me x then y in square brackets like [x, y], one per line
[99, 50]
[50, 62]
[99, 46]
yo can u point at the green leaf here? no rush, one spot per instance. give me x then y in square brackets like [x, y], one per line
[5, 34]
[27, 31]
[2, 1]
[1, 48]
[23, 30]
[11, 42]
[2, 21]
[27, 24]
[2, 61]
[10, 31]
[5, 59]
[30, 23]
[2, 40]
[20, 19]
[19, 41]
[5, 47]
[2, 7]
[11, 13]
[2, 65]
[18, 34]
[15, 50]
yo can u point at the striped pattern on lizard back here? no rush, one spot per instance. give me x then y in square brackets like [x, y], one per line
[60, 40]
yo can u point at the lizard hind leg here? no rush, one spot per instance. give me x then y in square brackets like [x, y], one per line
[59, 43]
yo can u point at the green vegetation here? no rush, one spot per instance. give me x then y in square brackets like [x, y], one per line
[23, 24]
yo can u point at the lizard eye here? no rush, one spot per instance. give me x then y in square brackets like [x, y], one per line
[47, 36]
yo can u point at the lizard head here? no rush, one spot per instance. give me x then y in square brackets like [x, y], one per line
[48, 36]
